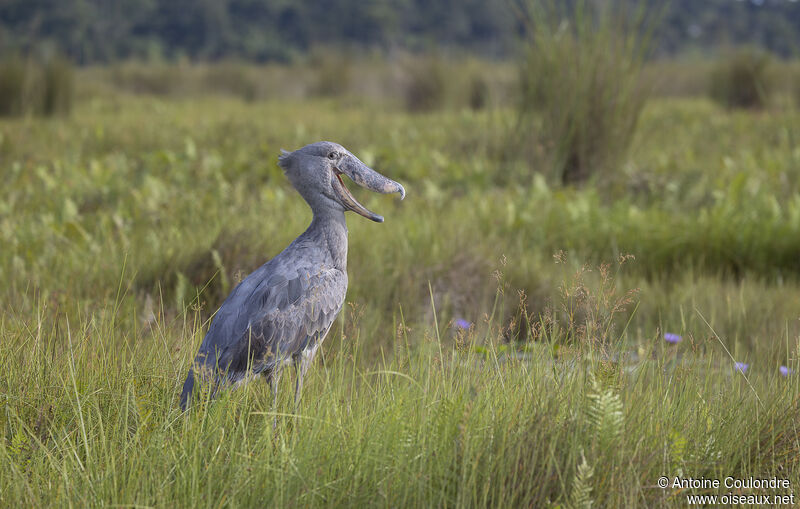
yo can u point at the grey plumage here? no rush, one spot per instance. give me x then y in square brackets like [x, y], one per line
[284, 309]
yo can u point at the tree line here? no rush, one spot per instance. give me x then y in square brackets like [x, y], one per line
[101, 31]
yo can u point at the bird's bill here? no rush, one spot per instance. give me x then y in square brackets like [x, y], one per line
[365, 177]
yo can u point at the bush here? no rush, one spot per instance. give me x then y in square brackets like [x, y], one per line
[478, 92]
[332, 73]
[581, 78]
[31, 87]
[12, 86]
[426, 83]
[57, 87]
[232, 78]
[152, 79]
[741, 80]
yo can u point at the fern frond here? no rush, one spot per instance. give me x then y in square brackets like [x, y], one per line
[581, 494]
[604, 414]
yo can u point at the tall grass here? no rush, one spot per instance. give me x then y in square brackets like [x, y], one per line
[229, 78]
[13, 86]
[33, 87]
[417, 83]
[582, 92]
[425, 84]
[478, 90]
[120, 240]
[333, 73]
[742, 80]
[795, 86]
[90, 418]
[234, 78]
[156, 79]
[58, 87]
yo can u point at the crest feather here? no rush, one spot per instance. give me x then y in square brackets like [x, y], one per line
[283, 159]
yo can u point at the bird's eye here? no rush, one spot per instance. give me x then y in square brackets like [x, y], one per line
[332, 155]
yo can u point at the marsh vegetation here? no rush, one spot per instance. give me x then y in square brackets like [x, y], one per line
[512, 336]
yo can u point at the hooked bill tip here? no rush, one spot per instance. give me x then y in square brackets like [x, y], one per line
[402, 192]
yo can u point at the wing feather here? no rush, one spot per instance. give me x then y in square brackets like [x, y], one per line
[273, 318]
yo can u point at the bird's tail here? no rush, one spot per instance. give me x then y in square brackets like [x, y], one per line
[199, 379]
[188, 387]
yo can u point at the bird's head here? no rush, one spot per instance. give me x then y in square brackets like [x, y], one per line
[316, 172]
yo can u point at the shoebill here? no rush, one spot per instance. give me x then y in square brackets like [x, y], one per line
[281, 313]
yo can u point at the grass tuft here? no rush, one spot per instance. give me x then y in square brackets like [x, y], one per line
[13, 86]
[478, 91]
[742, 80]
[57, 87]
[332, 73]
[582, 92]
[31, 87]
[425, 84]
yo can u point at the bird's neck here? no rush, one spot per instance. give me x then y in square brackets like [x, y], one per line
[329, 230]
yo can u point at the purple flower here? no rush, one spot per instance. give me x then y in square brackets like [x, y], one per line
[741, 366]
[785, 371]
[672, 338]
[462, 324]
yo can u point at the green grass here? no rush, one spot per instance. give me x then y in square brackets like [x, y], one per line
[742, 80]
[589, 108]
[90, 425]
[124, 226]
[30, 86]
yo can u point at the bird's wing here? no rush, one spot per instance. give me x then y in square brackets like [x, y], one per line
[273, 318]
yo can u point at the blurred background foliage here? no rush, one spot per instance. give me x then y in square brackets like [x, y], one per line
[97, 31]
[420, 55]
